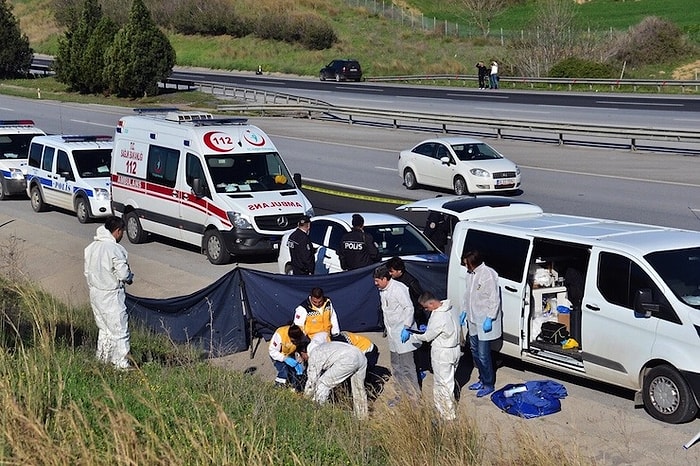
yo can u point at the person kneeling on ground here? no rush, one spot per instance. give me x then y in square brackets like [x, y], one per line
[282, 348]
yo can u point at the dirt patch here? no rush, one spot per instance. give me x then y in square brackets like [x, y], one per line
[689, 71]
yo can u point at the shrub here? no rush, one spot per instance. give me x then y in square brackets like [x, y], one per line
[653, 40]
[574, 67]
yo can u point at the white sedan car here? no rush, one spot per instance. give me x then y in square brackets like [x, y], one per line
[464, 165]
[393, 235]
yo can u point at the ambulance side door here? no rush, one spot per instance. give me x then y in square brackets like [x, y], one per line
[194, 206]
[163, 194]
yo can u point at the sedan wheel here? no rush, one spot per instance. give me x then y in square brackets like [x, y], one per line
[460, 186]
[409, 179]
[322, 77]
[337, 77]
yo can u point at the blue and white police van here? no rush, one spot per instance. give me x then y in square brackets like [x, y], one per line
[15, 136]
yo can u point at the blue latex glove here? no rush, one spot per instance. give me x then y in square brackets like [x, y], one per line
[405, 335]
[299, 369]
[488, 324]
[422, 328]
[463, 318]
[290, 361]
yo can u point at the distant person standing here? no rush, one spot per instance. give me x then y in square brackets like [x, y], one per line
[357, 248]
[301, 251]
[437, 230]
[493, 77]
[483, 71]
[107, 271]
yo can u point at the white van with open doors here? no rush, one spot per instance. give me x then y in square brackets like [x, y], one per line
[218, 183]
[631, 296]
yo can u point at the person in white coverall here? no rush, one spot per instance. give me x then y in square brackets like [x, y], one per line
[107, 271]
[483, 316]
[443, 331]
[331, 363]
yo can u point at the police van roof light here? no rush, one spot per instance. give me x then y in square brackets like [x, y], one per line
[16, 123]
[79, 138]
[156, 110]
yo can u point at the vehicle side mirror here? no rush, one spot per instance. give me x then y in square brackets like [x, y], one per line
[445, 160]
[297, 179]
[644, 305]
[198, 187]
[67, 175]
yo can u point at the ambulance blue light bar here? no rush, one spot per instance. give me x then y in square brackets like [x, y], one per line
[77, 138]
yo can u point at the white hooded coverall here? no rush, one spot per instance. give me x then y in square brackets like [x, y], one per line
[329, 364]
[443, 331]
[106, 270]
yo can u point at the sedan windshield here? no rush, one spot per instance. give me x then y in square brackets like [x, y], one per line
[680, 269]
[399, 240]
[249, 172]
[477, 151]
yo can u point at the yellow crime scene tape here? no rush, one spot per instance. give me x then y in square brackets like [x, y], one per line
[362, 197]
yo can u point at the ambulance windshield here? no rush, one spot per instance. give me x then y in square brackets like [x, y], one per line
[249, 172]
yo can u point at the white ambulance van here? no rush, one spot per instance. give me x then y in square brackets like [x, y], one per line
[15, 136]
[70, 172]
[217, 183]
[628, 295]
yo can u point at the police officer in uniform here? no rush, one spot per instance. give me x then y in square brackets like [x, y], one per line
[301, 250]
[357, 248]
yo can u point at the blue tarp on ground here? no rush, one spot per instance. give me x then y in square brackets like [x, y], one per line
[539, 398]
[219, 318]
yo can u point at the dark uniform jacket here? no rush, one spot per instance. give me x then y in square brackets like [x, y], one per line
[301, 252]
[357, 249]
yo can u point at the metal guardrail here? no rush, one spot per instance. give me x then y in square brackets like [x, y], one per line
[635, 84]
[560, 133]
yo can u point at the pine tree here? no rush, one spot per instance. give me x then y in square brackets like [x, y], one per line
[70, 64]
[15, 53]
[139, 57]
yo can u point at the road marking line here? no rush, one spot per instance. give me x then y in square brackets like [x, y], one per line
[616, 177]
[92, 123]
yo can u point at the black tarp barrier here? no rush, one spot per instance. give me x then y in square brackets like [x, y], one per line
[216, 317]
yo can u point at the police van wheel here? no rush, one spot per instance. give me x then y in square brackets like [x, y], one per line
[82, 210]
[36, 199]
[215, 249]
[134, 231]
[667, 396]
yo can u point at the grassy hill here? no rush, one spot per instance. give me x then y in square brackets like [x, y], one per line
[384, 46]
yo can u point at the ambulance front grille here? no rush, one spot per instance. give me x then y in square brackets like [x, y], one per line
[280, 222]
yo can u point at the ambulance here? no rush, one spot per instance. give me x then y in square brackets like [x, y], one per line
[216, 183]
[15, 136]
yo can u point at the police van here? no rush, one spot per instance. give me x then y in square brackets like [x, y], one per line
[217, 183]
[72, 173]
[625, 296]
[15, 136]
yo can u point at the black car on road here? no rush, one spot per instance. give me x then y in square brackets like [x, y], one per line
[342, 70]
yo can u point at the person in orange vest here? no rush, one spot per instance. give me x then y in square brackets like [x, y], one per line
[316, 316]
[282, 349]
[362, 343]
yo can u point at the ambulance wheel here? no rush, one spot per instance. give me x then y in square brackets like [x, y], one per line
[82, 210]
[36, 199]
[460, 186]
[409, 179]
[667, 396]
[215, 249]
[134, 231]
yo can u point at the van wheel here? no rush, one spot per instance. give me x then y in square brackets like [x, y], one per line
[215, 249]
[36, 199]
[460, 186]
[82, 210]
[409, 179]
[667, 396]
[134, 231]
